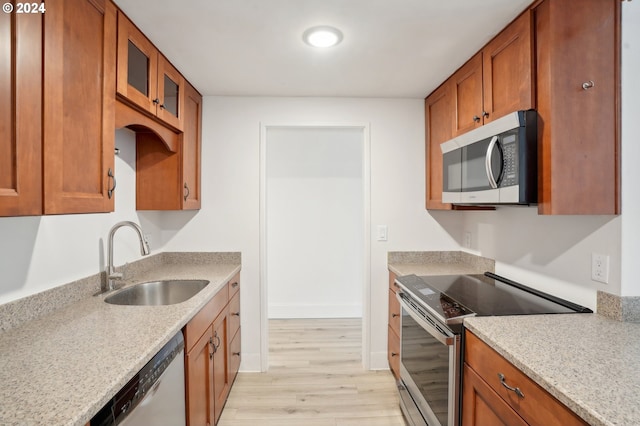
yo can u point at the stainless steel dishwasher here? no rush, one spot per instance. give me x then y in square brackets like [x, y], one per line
[155, 396]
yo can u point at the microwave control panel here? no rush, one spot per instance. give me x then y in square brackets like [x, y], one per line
[510, 159]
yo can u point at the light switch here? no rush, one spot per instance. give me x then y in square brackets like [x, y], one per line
[382, 233]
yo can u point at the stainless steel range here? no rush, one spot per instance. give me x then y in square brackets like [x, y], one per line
[433, 309]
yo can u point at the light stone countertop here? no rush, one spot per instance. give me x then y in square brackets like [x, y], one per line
[589, 363]
[62, 368]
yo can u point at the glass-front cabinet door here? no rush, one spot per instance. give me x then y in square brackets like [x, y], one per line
[137, 66]
[170, 93]
[145, 78]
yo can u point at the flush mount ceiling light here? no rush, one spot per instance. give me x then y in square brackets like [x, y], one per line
[322, 36]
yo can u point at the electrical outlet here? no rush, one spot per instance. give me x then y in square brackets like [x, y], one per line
[467, 239]
[600, 268]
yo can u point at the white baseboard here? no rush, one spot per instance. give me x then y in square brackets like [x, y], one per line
[250, 363]
[315, 311]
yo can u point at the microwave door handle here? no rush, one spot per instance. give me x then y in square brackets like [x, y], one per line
[487, 162]
[442, 338]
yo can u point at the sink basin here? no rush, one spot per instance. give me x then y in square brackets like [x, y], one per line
[153, 293]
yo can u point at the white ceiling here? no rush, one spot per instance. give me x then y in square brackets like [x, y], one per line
[391, 48]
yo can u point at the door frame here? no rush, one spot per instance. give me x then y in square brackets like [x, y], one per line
[366, 243]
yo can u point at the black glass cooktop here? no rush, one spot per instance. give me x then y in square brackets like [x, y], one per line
[453, 297]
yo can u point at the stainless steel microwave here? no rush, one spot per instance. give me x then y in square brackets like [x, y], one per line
[493, 164]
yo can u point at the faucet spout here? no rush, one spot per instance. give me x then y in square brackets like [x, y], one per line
[112, 275]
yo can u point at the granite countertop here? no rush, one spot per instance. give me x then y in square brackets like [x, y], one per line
[588, 362]
[62, 368]
[438, 263]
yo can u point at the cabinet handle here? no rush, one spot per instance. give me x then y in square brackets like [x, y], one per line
[234, 284]
[235, 314]
[215, 347]
[588, 85]
[187, 192]
[503, 383]
[476, 118]
[161, 106]
[156, 101]
[394, 315]
[111, 176]
[485, 114]
[394, 354]
[236, 353]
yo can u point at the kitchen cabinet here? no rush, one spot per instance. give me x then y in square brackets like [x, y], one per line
[20, 125]
[145, 78]
[578, 97]
[487, 400]
[440, 112]
[393, 329]
[497, 80]
[79, 106]
[167, 180]
[212, 341]
[58, 109]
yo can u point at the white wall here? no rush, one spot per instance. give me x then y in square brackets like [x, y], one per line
[230, 217]
[314, 221]
[42, 252]
[630, 285]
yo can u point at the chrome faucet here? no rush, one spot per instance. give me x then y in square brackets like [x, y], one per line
[112, 275]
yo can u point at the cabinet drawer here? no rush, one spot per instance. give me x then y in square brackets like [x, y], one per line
[393, 352]
[394, 312]
[234, 285]
[537, 406]
[234, 314]
[203, 319]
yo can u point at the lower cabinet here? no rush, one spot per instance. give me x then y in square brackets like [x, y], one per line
[212, 359]
[495, 392]
[393, 329]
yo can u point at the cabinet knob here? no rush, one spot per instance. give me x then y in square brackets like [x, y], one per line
[476, 118]
[235, 314]
[235, 284]
[485, 114]
[394, 354]
[588, 85]
[236, 354]
[156, 101]
[394, 315]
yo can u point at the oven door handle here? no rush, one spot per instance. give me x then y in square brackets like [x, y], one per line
[437, 334]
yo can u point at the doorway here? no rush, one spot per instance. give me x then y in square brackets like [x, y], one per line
[314, 226]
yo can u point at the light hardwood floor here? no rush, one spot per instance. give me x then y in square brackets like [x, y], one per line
[315, 378]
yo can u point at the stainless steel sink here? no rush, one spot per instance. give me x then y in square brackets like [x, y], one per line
[153, 293]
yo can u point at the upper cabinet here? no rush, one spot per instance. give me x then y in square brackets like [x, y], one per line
[146, 79]
[79, 106]
[562, 60]
[578, 98]
[20, 100]
[497, 80]
[57, 109]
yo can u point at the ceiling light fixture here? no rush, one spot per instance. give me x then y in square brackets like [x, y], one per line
[322, 36]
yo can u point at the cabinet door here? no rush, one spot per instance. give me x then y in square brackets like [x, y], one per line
[507, 70]
[199, 382]
[170, 94]
[439, 119]
[234, 357]
[137, 66]
[79, 106]
[220, 362]
[481, 406]
[467, 86]
[20, 108]
[393, 352]
[191, 145]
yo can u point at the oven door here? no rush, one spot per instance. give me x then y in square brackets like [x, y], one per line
[429, 367]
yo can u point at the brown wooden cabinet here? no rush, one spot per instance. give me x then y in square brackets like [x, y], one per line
[578, 98]
[393, 329]
[20, 124]
[498, 79]
[168, 180]
[440, 112]
[145, 78]
[79, 106]
[212, 341]
[487, 401]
